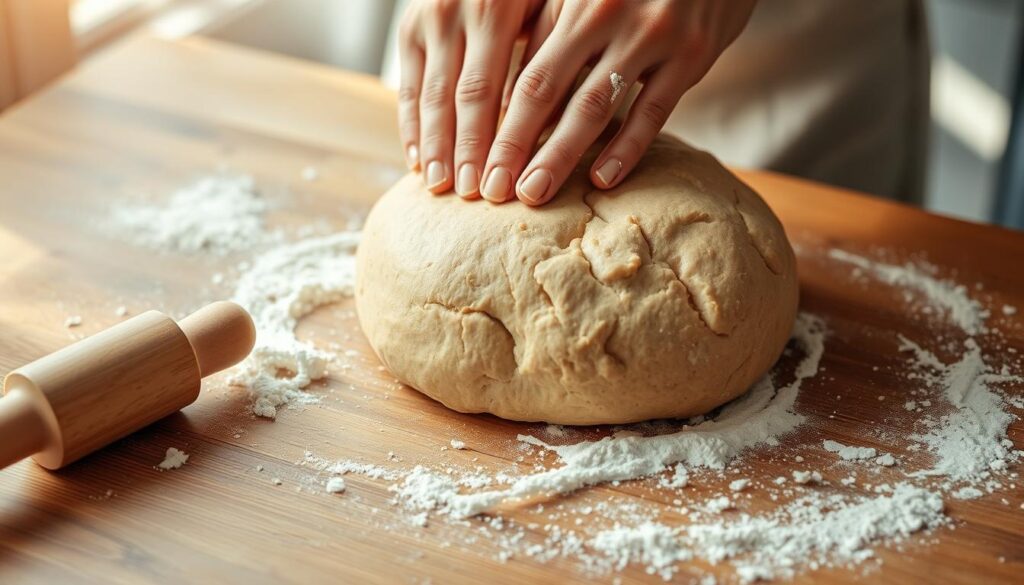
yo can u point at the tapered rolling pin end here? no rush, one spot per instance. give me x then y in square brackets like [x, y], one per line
[221, 334]
[24, 427]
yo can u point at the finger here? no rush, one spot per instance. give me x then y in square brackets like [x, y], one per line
[477, 101]
[586, 116]
[411, 59]
[537, 93]
[646, 118]
[444, 51]
[542, 27]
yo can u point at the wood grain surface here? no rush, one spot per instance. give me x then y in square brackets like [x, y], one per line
[148, 116]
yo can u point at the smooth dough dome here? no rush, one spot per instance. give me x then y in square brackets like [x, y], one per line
[666, 296]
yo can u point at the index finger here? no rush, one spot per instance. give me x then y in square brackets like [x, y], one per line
[538, 92]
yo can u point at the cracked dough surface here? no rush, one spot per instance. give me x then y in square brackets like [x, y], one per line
[664, 297]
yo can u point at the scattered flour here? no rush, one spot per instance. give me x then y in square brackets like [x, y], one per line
[344, 467]
[283, 285]
[718, 505]
[173, 459]
[968, 443]
[817, 529]
[847, 453]
[335, 485]
[886, 460]
[970, 438]
[739, 485]
[757, 418]
[805, 477]
[968, 493]
[828, 531]
[217, 214]
[963, 311]
[556, 431]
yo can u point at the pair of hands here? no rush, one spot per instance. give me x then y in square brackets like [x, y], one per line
[455, 55]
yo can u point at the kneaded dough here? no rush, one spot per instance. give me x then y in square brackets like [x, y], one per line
[664, 297]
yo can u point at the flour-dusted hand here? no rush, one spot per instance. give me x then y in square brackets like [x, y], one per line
[668, 45]
[454, 59]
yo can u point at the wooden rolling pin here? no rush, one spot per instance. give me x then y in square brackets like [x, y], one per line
[93, 392]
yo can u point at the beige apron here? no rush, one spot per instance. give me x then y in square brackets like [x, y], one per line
[831, 90]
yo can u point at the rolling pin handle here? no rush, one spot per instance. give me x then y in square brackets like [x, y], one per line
[221, 335]
[22, 425]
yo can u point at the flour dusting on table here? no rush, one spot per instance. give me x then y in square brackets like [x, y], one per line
[280, 287]
[217, 214]
[709, 503]
[962, 453]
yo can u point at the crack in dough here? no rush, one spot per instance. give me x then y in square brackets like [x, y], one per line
[468, 313]
[686, 288]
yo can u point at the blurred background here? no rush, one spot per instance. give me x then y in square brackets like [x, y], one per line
[976, 153]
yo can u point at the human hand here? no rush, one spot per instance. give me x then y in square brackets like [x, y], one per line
[455, 55]
[668, 45]
[446, 124]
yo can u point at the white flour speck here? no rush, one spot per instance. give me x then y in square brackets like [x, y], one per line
[335, 485]
[173, 459]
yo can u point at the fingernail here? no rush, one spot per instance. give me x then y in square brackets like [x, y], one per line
[535, 186]
[498, 183]
[609, 171]
[467, 182]
[435, 174]
[412, 156]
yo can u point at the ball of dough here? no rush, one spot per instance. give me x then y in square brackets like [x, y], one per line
[666, 296]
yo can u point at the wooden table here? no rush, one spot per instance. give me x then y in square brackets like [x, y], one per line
[148, 116]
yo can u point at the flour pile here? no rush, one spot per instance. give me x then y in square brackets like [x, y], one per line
[217, 214]
[969, 442]
[824, 530]
[281, 287]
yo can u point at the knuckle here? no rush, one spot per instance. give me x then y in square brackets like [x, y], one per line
[443, 8]
[634, 143]
[605, 9]
[697, 45]
[563, 154]
[659, 25]
[594, 103]
[408, 94]
[407, 27]
[508, 148]
[537, 84]
[408, 125]
[436, 92]
[432, 144]
[655, 113]
[468, 142]
[484, 10]
[475, 88]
